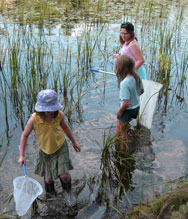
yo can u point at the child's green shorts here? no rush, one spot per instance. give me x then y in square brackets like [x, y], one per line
[52, 165]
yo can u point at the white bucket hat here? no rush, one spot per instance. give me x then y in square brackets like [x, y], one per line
[47, 101]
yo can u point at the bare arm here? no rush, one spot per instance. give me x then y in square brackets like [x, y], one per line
[125, 104]
[138, 54]
[23, 141]
[69, 134]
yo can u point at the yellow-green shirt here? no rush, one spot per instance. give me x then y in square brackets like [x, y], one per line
[50, 136]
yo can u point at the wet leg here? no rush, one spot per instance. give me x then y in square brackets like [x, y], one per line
[117, 138]
[123, 132]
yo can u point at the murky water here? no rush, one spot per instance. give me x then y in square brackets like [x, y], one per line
[162, 151]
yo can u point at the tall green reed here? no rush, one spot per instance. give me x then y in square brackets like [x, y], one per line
[162, 42]
[161, 54]
[4, 87]
[181, 76]
[33, 65]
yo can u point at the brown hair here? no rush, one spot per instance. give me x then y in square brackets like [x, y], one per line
[129, 27]
[125, 65]
[41, 114]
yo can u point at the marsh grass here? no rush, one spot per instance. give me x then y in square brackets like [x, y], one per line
[50, 13]
[87, 45]
[164, 38]
[7, 213]
[181, 77]
[3, 155]
[4, 101]
[165, 47]
[117, 169]
[31, 65]
[29, 11]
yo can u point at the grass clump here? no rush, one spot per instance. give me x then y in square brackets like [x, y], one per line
[138, 209]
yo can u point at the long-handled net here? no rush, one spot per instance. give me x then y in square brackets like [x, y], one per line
[148, 102]
[26, 190]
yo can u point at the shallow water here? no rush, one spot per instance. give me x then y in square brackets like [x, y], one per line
[163, 160]
[162, 151]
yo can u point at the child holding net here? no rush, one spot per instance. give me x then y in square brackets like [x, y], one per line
[49, 125]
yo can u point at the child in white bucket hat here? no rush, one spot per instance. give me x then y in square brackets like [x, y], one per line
[49, 126]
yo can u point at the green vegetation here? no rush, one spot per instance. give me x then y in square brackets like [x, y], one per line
[172, 204]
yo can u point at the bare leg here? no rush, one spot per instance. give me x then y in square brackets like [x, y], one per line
[123, 132]
[48, 181]
[118, 128]
[65, 177]
[118, 135]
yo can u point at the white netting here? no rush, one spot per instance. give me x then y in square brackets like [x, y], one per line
[148, 102]
[26, 190]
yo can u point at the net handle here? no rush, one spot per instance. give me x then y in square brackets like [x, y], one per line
[23, 166]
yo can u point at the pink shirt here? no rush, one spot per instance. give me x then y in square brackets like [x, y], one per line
[126, 49]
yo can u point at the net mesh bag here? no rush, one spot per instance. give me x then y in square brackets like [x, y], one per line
[26, 190]
[148, 102]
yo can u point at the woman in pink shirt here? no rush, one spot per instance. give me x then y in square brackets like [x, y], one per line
[130, 47]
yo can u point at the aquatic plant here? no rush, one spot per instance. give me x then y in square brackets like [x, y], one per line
[31, 68]
[162, 58]
[164, 39]
[116, 168]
